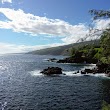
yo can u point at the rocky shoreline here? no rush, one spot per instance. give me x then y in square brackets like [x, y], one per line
[77, 60]
[100, 67]
[56, 71]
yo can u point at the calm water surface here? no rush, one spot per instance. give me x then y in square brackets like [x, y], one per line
[22, 87]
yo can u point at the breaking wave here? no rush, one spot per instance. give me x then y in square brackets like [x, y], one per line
[36, 73]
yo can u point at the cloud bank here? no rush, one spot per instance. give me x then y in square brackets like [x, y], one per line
[6, 48]
[19, 21]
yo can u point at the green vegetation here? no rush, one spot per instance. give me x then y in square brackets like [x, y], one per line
[63, 50]
[100, 52]
[88, 53]
[105, 106]
[103, 53]
[105, 45]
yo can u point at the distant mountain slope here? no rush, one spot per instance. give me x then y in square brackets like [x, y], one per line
[62, 50]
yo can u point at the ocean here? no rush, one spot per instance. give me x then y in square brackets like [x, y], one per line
[23, 87]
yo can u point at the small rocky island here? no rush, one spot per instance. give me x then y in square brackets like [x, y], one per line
[52, 71]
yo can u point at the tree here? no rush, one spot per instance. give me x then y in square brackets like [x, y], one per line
[98, 14]
[72, 52]
[105, 36]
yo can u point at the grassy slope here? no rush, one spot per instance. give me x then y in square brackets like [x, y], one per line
[62, 50]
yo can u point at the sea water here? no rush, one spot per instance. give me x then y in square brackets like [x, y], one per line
[23, 87]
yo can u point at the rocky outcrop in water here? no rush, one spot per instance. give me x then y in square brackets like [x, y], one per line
[66, 60]
[52, 71]
[51, 60]
[100, 68]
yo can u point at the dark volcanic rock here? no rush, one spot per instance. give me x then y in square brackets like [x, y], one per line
[52, 71]
[108, 74]
[72, 60]
[89, 70]
[83, 72]
[77, 59]
[66, 60]
[52, 59]
[102, 67]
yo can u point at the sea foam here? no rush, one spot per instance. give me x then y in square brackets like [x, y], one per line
[70, 73]
[35, 73]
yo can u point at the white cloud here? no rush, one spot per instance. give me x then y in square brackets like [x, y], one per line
[77, 32]
[6, 48]
[35, 25]
[102, 24]
[19, 21]
[8, 1]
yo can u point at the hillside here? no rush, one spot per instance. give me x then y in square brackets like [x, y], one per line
[63, 50]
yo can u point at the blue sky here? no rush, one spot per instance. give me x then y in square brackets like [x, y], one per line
[27, 25]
